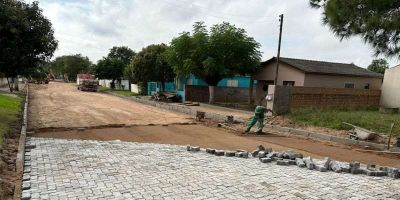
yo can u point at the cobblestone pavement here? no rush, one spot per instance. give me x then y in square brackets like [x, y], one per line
[83, 169]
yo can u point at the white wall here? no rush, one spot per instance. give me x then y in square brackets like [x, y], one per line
[390, 96]
[3, 81]
[135, 88]
[106, 83]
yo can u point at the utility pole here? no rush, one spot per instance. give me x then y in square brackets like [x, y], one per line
[279, 49]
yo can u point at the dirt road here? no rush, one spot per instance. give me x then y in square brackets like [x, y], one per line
[62, 105]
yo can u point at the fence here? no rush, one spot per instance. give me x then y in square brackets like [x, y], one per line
[222, 94]
[123, 86]
[286, 98]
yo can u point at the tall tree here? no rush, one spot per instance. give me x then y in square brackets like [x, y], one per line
[150, 65]
[26, 38]
[222, 52]
[123, 53]
[378, 66]
[109, 68]
[69, 66]
[377, 22]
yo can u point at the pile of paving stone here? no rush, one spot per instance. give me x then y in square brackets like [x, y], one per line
[290, 157]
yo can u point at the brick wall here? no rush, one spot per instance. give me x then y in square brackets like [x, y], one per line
[222, 94]
[333, 97]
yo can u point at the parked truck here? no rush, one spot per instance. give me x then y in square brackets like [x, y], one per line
[87, 82]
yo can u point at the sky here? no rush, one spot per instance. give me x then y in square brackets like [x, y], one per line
[92, 27]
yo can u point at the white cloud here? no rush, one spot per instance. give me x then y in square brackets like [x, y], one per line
[92, 27]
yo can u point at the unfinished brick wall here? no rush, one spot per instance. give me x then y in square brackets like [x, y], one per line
[333, 97]
[222, 94]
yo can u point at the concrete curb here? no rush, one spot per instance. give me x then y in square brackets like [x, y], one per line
[21, 149]
[324, 137]
[175, 108]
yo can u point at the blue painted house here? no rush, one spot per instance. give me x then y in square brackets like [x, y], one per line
[242, 82]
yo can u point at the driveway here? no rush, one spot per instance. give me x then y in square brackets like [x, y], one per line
[87, 169]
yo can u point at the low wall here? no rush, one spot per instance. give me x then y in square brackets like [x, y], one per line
[333, 97]
[222, 94]
[135, 88]
[107, 83]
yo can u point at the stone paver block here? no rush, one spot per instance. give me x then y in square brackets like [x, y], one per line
[265, 160]
[85, 169]
[219, 152]
[230, 153]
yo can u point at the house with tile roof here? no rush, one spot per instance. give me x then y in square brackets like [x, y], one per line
[311, 73]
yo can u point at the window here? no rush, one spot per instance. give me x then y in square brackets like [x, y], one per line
[288, 83]
[232, 83]
[349, 85]
[366, 86]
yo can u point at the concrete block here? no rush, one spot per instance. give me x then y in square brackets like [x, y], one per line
[26, 177]
[188, 147]
[320, 168]
[326, 162]
[309, 163]
[272, 154]
[255, 153]
[300, 163]
[261, 154]
[242, 154]
[283, 162]
[320, 136]
[394, 173]
[230, 154]
[281, 128]
[335, 166]
[27, 164]
[292, 162]
[280, 154]
[219, 152]
[26, 195]
[210, 151]
[265, 160]
[26, 185]
[30, 146]
[268, 150]
[195, 149]
[299, 132]
[376, 173]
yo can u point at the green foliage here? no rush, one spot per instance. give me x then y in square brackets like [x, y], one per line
[10, 107]
[69, 66]
[26, 37]
[378, 66]
[370, 119]
[123, 53]
[109, 68]
[150, 65]
[222, 52]
[377, 22]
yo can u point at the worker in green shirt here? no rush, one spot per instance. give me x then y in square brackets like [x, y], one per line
[258, 117]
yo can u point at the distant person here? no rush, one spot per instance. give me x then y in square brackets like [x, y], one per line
[259, 115]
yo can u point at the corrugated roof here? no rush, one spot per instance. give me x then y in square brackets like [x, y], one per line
[322, 67]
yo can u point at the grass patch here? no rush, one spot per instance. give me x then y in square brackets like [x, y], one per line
[121, 92]
[10, 107]
[370, 119]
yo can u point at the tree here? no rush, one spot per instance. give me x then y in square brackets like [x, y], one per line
[109, 68]
[150, 65]
[123, 53]
[222, 52]
[69, 66]
[26, 38]
[377, 22]
[378, 66]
